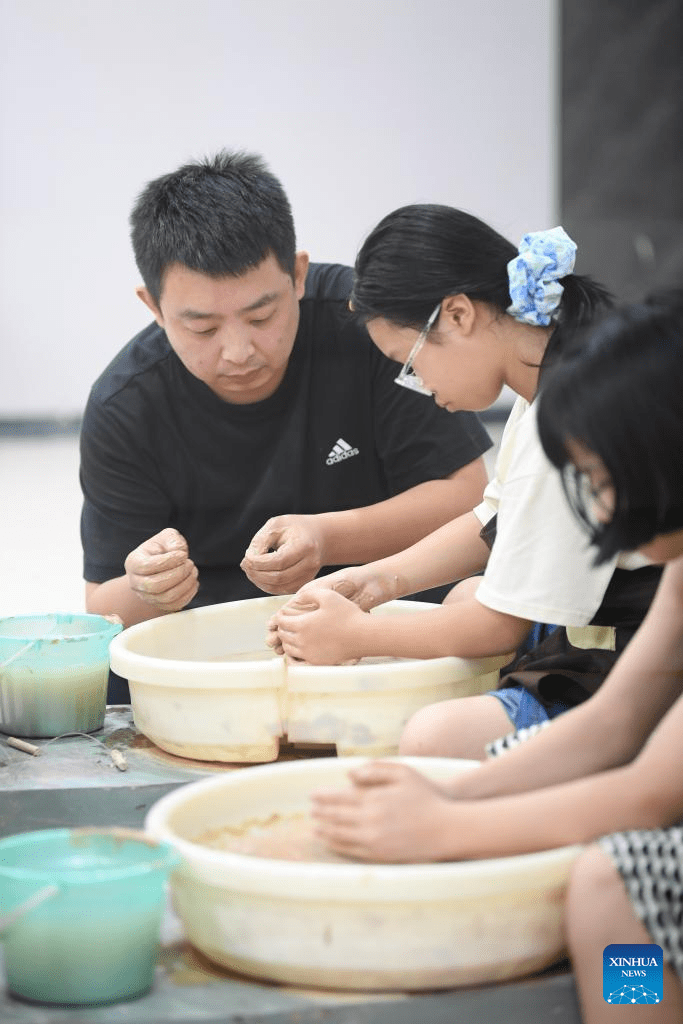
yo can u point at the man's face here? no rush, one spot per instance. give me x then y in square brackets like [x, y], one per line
[234, 333]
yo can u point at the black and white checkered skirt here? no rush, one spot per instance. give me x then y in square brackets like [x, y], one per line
[650, 863]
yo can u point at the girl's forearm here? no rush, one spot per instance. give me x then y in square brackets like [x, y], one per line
[640, 695]
[451, 553]
[362, 535]
[465, 629]
[575, 812]
[586, 739]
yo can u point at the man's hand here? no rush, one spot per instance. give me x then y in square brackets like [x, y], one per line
[161, 572]
[285, 553]
[391, 814]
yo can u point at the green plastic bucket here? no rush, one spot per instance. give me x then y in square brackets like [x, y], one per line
[80, 913]
[53, 673]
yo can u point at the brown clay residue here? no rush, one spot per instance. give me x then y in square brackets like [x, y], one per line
[186, 966]
[305, 751]
[215, 836]
[276, 837]
[130, 738]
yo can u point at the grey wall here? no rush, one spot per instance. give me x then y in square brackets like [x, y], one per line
[622, 140]
[359, 106]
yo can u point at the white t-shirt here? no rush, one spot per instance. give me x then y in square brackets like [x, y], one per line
[541, 565]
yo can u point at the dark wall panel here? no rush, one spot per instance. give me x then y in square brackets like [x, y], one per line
[621, 183]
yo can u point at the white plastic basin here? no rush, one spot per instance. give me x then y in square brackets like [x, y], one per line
[204, 685]
[360, 926]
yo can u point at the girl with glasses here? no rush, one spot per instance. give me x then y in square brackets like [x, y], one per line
[466, 313]
[610, 769]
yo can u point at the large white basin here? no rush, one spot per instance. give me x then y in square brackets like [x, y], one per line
[353, 925]
[204, 685]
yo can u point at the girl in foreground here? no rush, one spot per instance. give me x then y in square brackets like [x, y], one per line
[611, 419]
[455, 301]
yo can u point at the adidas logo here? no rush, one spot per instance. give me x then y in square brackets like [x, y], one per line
[341, 451]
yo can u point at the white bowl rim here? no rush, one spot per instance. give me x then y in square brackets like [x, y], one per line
[142, 663]
[120, 648]
[253, 870]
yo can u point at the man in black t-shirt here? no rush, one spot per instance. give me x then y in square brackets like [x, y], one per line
[254, 399]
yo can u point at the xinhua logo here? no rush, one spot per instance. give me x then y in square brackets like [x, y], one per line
[633, 974]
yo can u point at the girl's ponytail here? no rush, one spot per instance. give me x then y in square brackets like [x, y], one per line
[583, 301]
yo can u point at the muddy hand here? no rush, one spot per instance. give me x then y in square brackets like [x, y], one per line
[320, 627]
[391, 814]
[361, 584]
[285, 554]
[161, 572]
[300, 603]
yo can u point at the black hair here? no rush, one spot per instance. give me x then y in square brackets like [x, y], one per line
[619, 393]
[419, 254]
[220, 216]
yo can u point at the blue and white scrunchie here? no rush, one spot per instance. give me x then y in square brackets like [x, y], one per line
[544, 256]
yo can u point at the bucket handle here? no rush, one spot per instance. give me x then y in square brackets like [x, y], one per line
[12, 916]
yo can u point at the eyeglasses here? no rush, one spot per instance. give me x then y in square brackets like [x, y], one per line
[407, 377]
[595, 500]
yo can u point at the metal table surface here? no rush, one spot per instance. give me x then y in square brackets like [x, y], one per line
[74, 782]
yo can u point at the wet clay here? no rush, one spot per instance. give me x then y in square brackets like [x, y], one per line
[268, 655]
[279, 837]
[241, 656]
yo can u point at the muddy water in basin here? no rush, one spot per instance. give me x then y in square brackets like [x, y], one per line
[278, 837]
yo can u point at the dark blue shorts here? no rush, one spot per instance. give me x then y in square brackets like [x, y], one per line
[523, 709]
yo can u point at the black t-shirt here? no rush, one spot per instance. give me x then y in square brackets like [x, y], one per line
[159, 448]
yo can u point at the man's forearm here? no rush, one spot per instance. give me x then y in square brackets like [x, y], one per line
[115, 597]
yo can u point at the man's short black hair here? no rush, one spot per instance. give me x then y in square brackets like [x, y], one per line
[220, 216]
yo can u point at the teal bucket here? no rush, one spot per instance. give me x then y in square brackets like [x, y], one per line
[54, 671]
[80, 913]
